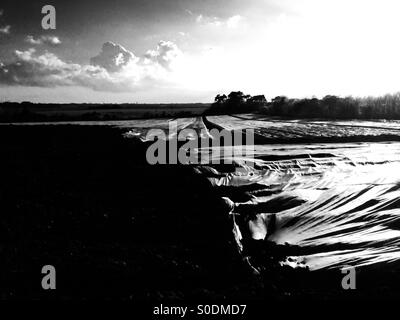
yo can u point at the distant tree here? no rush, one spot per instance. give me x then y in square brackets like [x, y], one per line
[279, 100]
[277, 105]
[260, 99]
[314, 108]
[256, 103]
[237, 98]
[236, 102]
[331, 104]
[220, 98]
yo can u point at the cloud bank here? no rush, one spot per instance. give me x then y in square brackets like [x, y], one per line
[114, 69]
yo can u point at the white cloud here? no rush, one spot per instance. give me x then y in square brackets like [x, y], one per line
[166, 53]
[113, 57]
[5, 29]
[232, 22]
[204, 20]
[114, 69]
[55, 40]
[50, 40]
[47, 70]
[32, 40]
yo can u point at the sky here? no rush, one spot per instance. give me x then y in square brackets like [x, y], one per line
[145, 51]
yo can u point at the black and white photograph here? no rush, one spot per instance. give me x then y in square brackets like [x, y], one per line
[200, 158]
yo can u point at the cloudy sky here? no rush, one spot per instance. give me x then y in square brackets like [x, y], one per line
[190, 50]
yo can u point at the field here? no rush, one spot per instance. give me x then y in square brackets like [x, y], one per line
[81, 196]
[29, 112]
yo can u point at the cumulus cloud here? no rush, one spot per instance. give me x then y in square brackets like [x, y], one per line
[5, 29]
[50, 40]
[166, 53]
[47, 70]
[113, 69]
[113, 57]
[232, 22]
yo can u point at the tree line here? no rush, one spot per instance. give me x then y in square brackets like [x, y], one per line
[330, 106]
